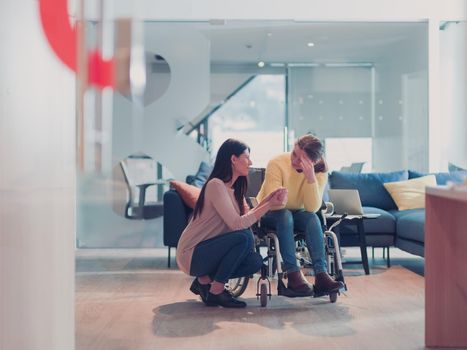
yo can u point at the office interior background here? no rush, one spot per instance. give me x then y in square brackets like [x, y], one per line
[380, 82]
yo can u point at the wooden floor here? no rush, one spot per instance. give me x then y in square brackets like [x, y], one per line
[137, 303]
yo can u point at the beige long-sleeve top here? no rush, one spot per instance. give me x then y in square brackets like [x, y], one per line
[301, 194]
[220, 215]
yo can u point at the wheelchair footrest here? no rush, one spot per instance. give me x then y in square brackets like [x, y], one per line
[318, 294]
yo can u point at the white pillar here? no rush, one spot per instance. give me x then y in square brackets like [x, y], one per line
[37, 169]
[453, 90]
[435, 141]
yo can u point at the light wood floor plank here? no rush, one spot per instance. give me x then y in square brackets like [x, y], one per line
[131, 307]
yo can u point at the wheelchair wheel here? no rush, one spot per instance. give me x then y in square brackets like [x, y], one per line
[263, 295]
[301, 252]
[237, 286]
[333, 297]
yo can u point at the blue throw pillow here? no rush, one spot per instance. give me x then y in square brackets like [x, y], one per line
[442, 178]
[370, 186]
[202, 175]
[453, 168]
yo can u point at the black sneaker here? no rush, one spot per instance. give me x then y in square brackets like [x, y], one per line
[224, 299]
[200, 289]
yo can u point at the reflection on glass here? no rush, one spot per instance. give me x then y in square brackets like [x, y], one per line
[256, 115]
[191, 85]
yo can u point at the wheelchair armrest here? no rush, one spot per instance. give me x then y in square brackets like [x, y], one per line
[328, 208]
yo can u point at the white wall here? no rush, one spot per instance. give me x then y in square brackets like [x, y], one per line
[453, 87]
[390, 147]
[37, 169]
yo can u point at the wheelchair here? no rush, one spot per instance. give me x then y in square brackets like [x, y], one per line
[273, 261]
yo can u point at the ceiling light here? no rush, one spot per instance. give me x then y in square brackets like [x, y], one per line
[260, 64]
[269, 34]
[310, 44]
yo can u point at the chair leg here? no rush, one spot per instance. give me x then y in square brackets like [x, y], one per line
[389, 259]
[373, 253]
[168, 260]
[384, 252]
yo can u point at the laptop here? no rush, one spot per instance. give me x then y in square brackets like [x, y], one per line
[348, 202]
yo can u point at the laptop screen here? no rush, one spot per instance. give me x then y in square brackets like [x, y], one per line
[346, 202]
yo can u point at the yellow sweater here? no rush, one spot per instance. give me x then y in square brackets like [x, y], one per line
[302, 195]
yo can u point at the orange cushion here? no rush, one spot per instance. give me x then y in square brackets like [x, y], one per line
[188, 193]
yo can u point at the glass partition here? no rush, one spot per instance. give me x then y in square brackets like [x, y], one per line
[256, 115]
[179, 89]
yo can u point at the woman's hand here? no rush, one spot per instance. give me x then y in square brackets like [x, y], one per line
[308, 168]
[278, 197]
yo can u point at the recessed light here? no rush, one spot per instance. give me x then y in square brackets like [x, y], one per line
[310, 44]
[260, 64]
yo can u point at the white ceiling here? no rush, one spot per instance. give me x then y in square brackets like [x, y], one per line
[286, 41]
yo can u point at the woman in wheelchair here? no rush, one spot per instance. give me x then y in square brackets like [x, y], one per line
[303, 172]
[217, 244]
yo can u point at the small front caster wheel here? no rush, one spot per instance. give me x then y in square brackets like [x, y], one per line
[263, 295]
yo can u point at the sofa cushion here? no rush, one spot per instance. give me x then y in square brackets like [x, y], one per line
[399, 214]
[188, 193]
[370, 186]
[442, 178]
[411, 224]
[202, 175]
[410, 194]
[379, 232]
[386, 223]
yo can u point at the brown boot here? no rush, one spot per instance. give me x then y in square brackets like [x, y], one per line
[298, 284]
[324, 284]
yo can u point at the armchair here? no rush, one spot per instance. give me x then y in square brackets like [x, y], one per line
[140, 174]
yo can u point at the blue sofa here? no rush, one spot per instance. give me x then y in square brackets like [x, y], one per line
[403, 229]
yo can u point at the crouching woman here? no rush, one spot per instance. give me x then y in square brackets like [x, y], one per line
[217, 244]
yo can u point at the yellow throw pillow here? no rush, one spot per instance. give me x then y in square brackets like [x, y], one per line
[410, 194]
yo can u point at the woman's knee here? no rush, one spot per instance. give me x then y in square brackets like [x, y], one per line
[284, 218]
[314, 219]
[313, 223]
[255, 261]
[245, 237]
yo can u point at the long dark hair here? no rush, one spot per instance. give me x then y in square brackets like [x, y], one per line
[223, 170]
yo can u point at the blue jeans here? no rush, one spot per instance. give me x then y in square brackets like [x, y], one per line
[229, 255]
[284, 222]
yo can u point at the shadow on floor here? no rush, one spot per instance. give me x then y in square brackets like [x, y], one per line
[311, 317]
